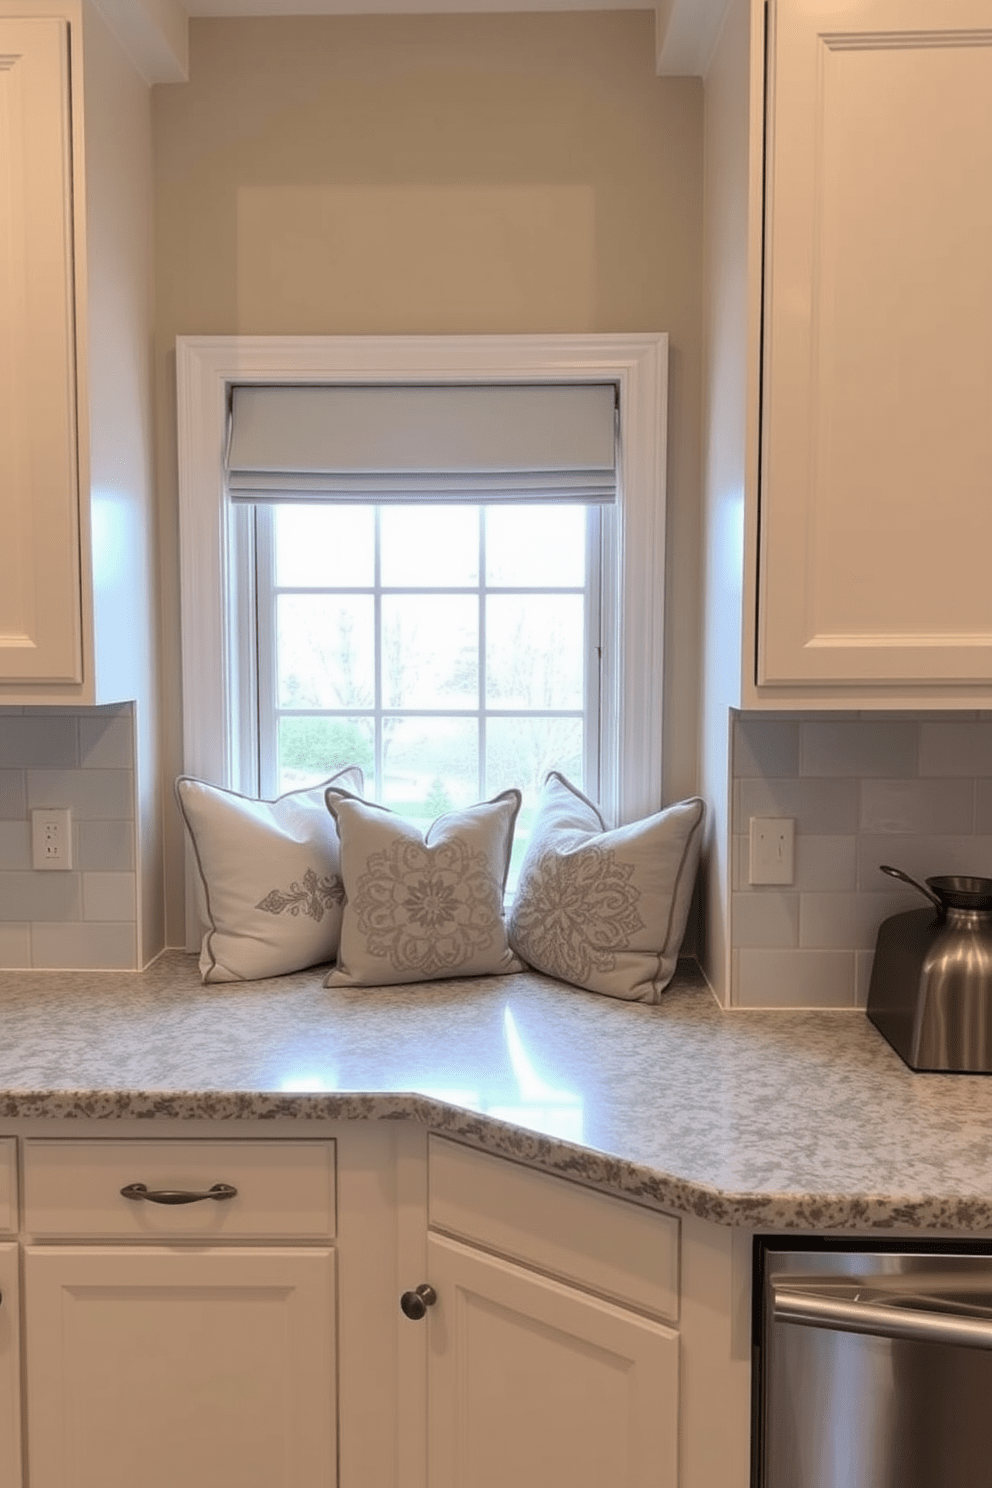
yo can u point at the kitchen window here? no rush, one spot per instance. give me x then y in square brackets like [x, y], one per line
[222, 600]
[427, 584]
[451, 651]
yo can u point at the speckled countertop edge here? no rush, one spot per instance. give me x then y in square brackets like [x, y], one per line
[761, 1211]
[879, 1150]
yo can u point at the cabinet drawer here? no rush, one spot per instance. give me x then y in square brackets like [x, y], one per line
[612, 1246]
[8, 1186]
[283, 1189]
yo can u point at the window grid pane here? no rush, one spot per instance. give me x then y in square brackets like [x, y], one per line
[421, 726]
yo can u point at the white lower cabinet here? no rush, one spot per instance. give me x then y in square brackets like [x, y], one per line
[257, 1339]
[10, 1392]
[208, 1369]
[551, 1360]
[179, 1310]
[535, 1383]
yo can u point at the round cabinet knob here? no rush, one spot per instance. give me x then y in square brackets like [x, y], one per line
[415, 1304]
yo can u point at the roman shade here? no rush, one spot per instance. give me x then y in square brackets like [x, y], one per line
[380, 443]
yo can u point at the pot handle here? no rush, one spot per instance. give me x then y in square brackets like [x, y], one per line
[923, 888]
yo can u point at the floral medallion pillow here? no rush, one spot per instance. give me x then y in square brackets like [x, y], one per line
[420, 906]
[270, 887]
[606, 910]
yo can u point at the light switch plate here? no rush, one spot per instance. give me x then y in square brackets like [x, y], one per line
[772, 850]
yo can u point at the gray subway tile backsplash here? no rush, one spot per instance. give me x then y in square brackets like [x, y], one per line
[30, 741]
[825, 861]
[767, 747]
[84, 946]
[13, 801]
[15, 945]
[93, 795]
[86, 917]
[983, 807]
[794, 978]
[918, 807]
[108, 897]
[921, 855]
[817, 805]
[105, 846]
[914, 790]
[947, 748]
[768, 920]
[832, 921]
[40, 896]
[15, 846]
[858, 748]
[106, 741]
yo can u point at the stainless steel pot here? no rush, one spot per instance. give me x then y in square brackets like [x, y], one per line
[931, 980]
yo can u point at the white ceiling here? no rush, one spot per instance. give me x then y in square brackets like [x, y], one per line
[155, 32]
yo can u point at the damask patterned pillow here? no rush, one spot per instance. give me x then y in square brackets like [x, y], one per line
[270, 886]
[605, 910]
[422, 905]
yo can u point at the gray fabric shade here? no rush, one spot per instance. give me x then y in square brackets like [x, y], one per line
[378, 443]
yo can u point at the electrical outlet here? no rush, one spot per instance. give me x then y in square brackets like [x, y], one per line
[51, 837]
[772, 846]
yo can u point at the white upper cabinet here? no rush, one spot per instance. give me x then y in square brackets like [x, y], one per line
[40, 622]
[77, 576]
[875, 475]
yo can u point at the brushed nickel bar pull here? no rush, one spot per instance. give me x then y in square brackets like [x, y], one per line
[176, 1195]
[818, 1310]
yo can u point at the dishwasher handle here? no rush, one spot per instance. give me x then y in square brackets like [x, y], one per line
[821, 1309]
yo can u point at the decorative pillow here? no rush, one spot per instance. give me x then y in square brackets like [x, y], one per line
[605, 910]
[269, 878]
[422, 905]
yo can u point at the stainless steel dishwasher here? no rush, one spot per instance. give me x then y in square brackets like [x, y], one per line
[873, 1366]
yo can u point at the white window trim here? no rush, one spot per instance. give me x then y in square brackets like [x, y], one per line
[215, 740]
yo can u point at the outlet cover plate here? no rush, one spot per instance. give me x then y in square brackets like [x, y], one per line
[51, 838]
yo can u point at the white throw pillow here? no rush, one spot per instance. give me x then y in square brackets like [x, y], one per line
[606, 910]
[269, 878]
[421, 906]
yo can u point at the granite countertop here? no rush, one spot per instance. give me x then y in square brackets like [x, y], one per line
[795, 1120]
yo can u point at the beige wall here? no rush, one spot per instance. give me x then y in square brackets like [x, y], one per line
[726, 179]
[435, 174]
[122, 477]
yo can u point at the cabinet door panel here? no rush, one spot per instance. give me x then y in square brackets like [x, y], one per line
[40, 618]
[612, 1246]
[538, 1385]
[209, 1369]
[876, 499]
[10, 1397]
